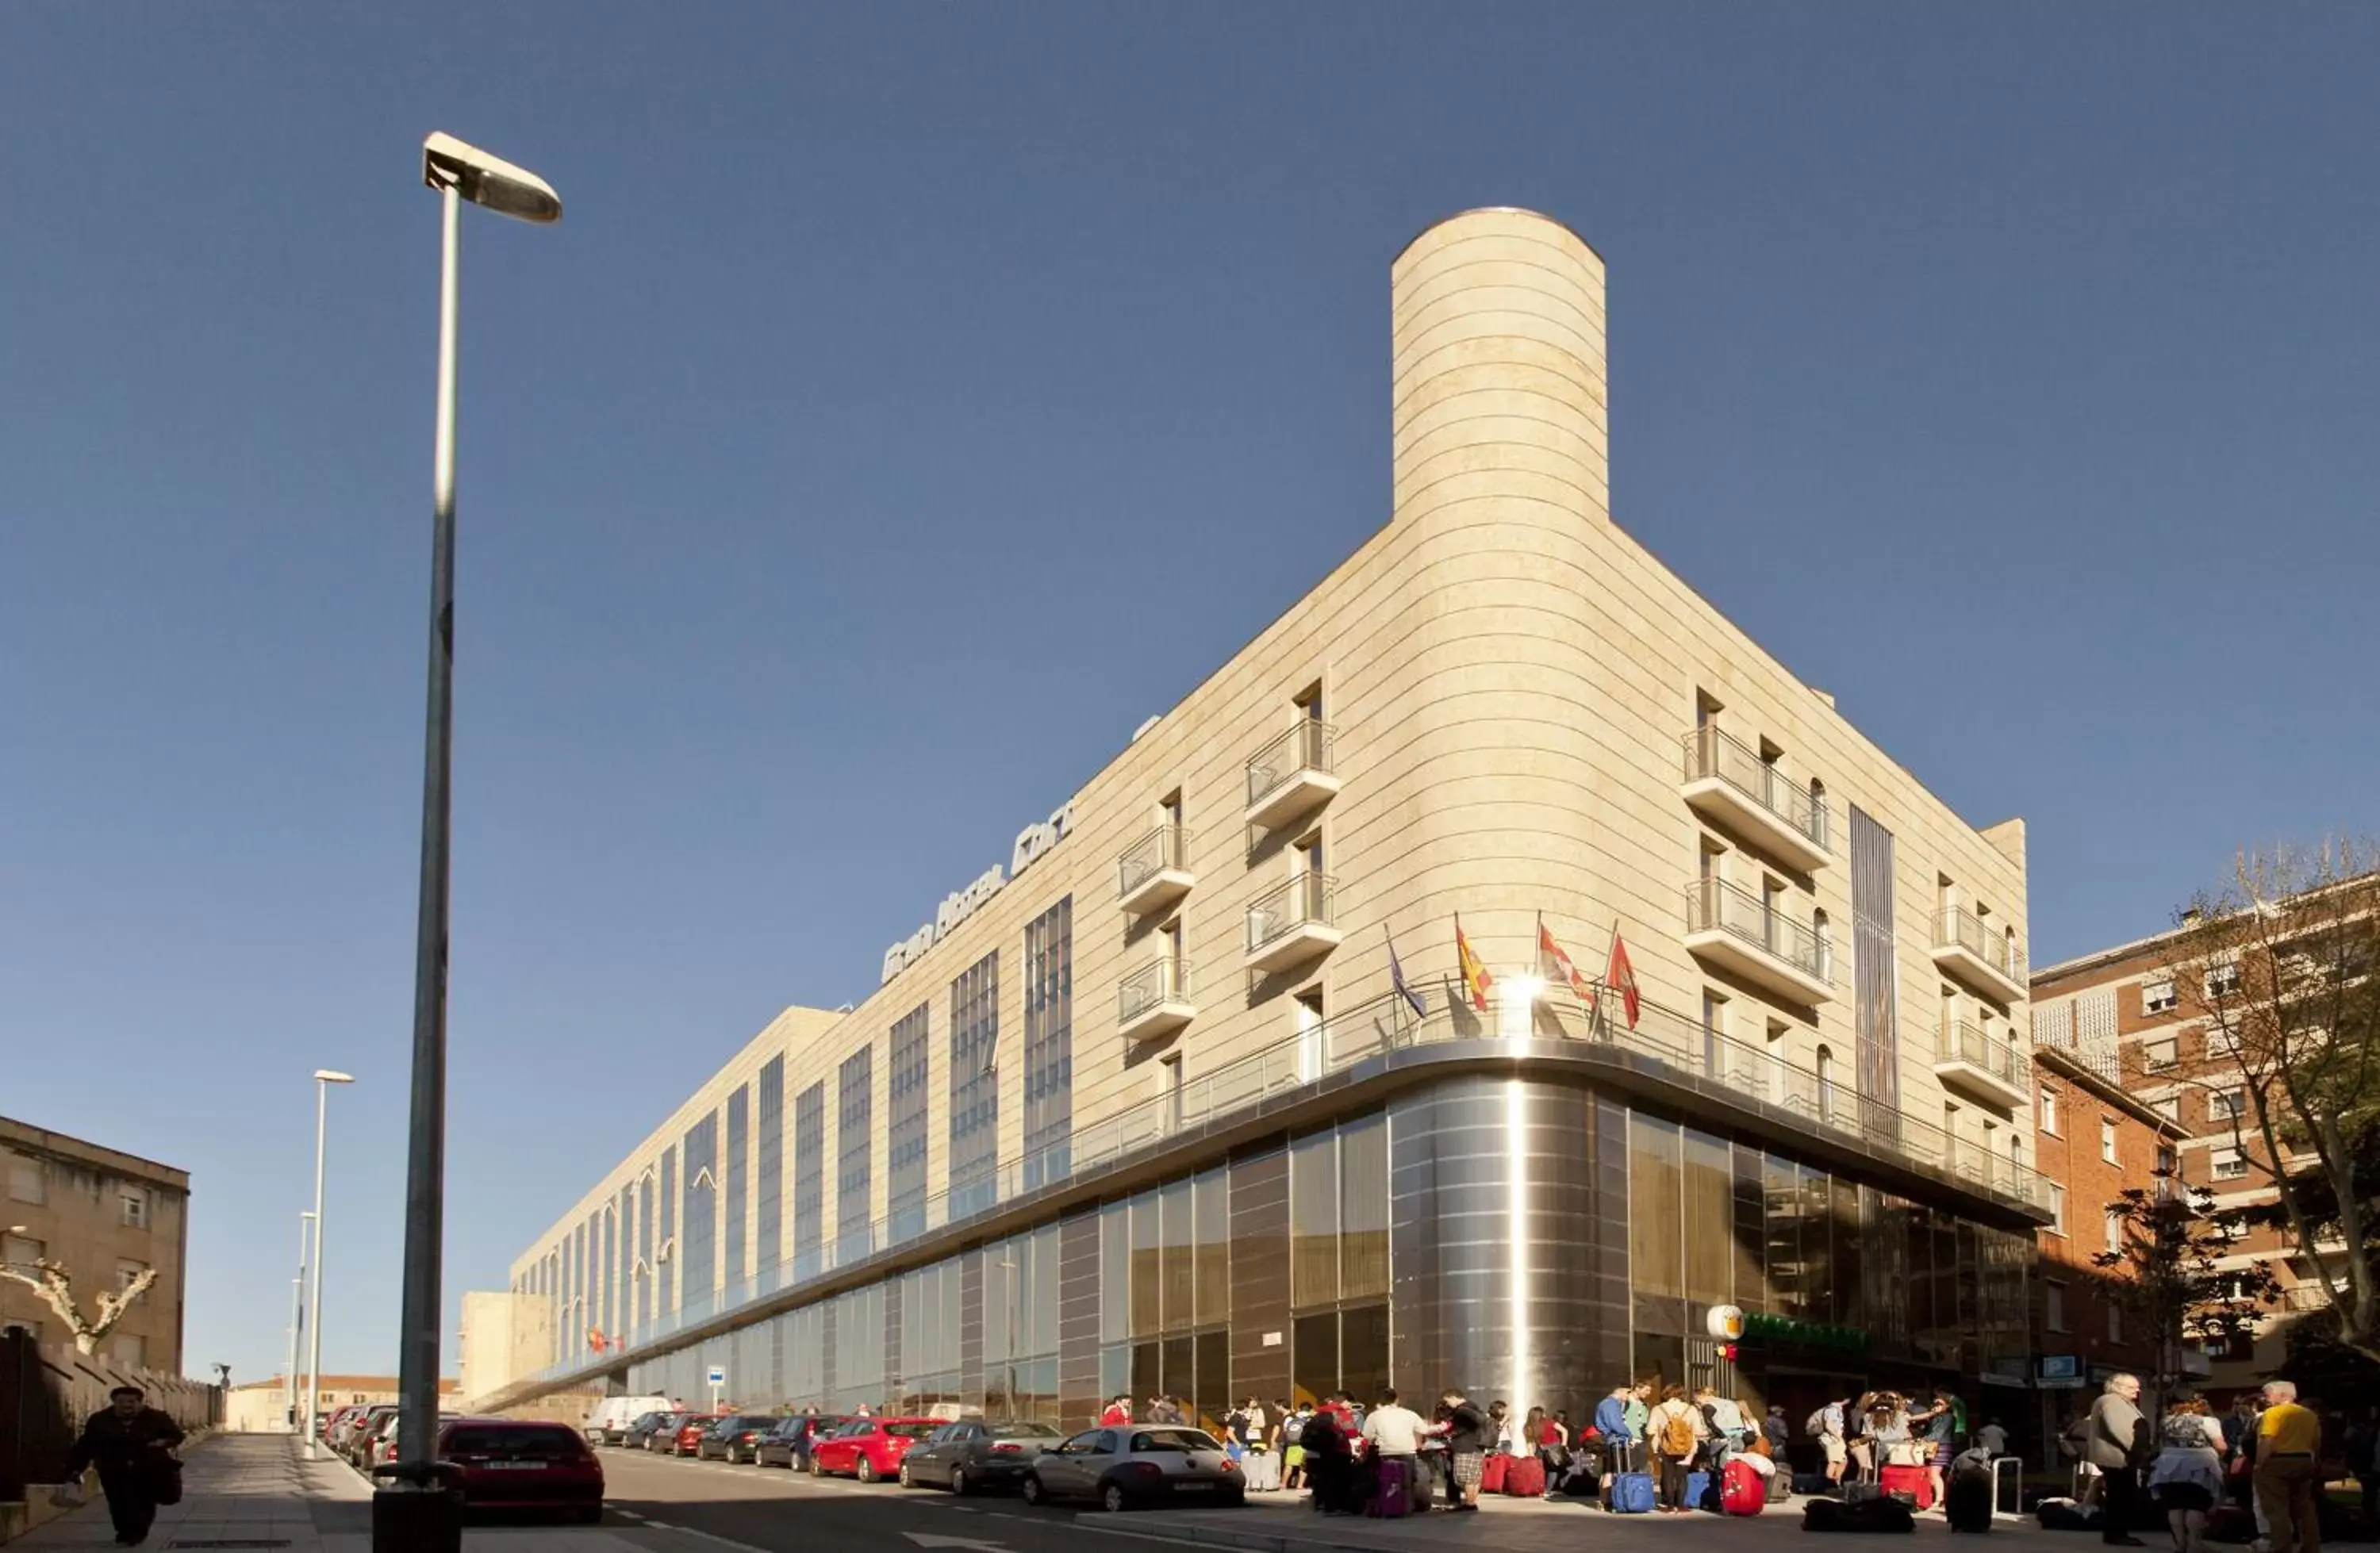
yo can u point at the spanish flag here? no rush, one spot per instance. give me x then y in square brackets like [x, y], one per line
[1476, 980]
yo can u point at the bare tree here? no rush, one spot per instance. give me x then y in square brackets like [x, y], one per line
[54, 1284]
[2168, 1272]
[2280, 968]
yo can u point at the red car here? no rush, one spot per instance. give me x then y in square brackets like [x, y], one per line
[509, 1464]
[868, 1448]
[690, 1431]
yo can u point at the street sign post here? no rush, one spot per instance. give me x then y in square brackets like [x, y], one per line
[718, 1378]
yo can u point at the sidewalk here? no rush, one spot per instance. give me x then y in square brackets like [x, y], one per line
[1282, 1523]
[256, 1491]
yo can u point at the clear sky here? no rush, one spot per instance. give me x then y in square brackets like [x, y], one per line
[2010, 370]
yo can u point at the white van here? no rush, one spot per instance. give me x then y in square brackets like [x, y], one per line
[608, 1424]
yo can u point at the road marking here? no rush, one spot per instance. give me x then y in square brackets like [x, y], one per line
[707, 1536]
[927, 1539]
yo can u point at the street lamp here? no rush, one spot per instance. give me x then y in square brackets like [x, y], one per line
[324, 1079]
[298, 1316]
[432, 1521]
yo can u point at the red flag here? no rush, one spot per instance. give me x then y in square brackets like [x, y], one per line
[1476, 980]
[1562, 962]
[1620, 976]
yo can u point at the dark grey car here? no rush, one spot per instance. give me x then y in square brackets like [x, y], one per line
[1141, 1463]
[973, 1455]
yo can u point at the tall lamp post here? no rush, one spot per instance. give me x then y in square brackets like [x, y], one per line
[298, 1316]
[417, 1515]
[324, 1079]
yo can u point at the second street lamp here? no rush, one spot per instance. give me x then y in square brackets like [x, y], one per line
[416, 1514]
[324, 1079]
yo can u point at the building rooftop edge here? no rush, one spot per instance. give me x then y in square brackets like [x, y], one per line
[9, 1127]
[2073, 1070]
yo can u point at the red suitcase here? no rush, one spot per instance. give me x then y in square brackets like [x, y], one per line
[1491, 1473]
[1743, 1491]
[1525, 1477]
[1912, 1481]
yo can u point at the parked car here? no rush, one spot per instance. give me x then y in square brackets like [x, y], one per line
[972, 1455]
[364, 1432]
[663, 1434]
[736, 1437]
[690, 1430]
[788, 1445]
[609, 1419]
[386, 1447]
[509, 1464]
[341, 1420]
[868, 1448]
[640, 1430]
[1122, 1467]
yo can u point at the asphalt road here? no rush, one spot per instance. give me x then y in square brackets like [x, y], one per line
[774, 1511]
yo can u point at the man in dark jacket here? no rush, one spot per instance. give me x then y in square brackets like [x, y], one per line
[129, 1444]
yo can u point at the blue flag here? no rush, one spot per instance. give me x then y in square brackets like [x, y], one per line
[1397, 977]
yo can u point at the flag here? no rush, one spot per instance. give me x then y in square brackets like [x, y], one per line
[1561, 963]
[1620, 976]
[1476, 980]
[1397, 977]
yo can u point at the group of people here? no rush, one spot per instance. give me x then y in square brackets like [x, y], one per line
[1858, 1438]
[2265, 1454]
[1681, 1432]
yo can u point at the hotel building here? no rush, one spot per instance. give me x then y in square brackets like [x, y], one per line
[1141, 1110]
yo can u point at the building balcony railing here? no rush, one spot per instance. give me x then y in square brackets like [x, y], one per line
[1729, 783]
[1291, 924]
[1292, 775]
[1985, 958]
[1751, 936]
[1154, 872]
[1155, 1001]
[1993, 1071]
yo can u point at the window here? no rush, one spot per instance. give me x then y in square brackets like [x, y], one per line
[2227, 1164]
[2218, 1046]
[2226, 1105]
[25, 1184]
[2056, 1208]
[2223, 980]
[2157, 996]
[2049, 1111]
[1713, 1029]
[2167, 1106]
[132, 1209]
[2159, 1056]
[127, 1271]
[2053, 1304]
[1309, 1035]
[2115, 1322]
[1827, 1101]
[974, 1086]
[2115, 1224]
[20, 1251]
[2108, 1140]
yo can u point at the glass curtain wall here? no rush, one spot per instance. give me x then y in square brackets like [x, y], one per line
[769, 1171]
[809, 1179]
[854, 1182]
[974, 1088]
[698, 1254]
[1049, 1045]
[739, 1149]
[904, 1151]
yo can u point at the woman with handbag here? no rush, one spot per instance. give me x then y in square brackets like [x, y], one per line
[132, 1446]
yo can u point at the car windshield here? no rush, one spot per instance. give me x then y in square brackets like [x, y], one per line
[1022, 1431]
[514, 1442]
[1172, 1440]
[910, 1431]
[753, 1420]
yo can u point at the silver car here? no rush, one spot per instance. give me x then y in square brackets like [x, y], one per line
[1146, 1463]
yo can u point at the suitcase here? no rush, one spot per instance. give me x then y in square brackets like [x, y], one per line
[1741, 1490]
[1967, 1501]
[1491, 1473]
[1780, 1487]
[1263, 1471]
[1911, 1482]
[1700, 1494]
[1632, 1492]
[1524, 1478]
[1393, 1490]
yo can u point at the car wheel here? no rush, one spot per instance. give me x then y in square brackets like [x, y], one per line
[816, 1469]
[959, 1484]
[867, 1469]
[1032, 1490]
[1113, 1500]
[907, 1479]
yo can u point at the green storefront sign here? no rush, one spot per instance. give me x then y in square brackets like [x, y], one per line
[1804, 1334]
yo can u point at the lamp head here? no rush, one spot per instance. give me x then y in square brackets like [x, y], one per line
[328, 1076]
[447, 162]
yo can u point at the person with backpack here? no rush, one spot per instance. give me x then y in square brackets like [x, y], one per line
[1678, 1431]
[1860, 1436]
[1826, 1427]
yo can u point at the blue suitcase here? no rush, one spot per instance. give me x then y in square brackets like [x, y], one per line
[1632, 1492]
[1700, 1495]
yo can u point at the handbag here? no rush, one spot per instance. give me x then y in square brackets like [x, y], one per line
[70, 1496]
[165, 1479]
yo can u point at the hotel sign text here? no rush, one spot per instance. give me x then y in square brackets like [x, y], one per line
[959, 905]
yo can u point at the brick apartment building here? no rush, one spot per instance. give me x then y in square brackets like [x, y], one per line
[2121, 1013]
[2093, 1141]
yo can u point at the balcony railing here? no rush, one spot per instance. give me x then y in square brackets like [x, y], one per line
[1713, 755]
[1715, 904]
[1159, 992]
[1960, 931]
[1292, 772]
[2000, 1060]
[1154, 870]
[1291, 921]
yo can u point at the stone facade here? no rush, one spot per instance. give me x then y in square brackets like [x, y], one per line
[105, 1216]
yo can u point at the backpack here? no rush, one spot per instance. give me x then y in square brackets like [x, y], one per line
[2070, 1438]
[1815, 1424]
[1678, 1434]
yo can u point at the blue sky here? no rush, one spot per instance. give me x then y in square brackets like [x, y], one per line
[2009, 370]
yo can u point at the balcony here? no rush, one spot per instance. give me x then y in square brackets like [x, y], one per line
[1291, 924]
[1985, 959]
[1729, 784]
[1751, 937]
[1154, 1001]
[1291, 776]
[1982, 1066]
[1154, 872]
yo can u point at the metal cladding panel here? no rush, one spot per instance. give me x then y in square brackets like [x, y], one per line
[971, 1323]
[1078, 1318]
[1874, 974]
[1260, 1307]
